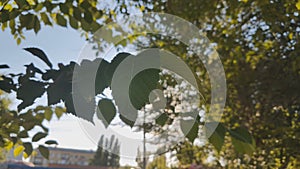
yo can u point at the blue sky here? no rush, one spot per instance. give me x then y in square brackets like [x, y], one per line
[62, 45]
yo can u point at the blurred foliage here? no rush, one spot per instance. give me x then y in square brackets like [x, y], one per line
[258, 43]
[108, 153]
[15, 127]
[159, 162]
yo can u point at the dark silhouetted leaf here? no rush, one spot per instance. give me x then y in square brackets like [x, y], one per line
[33, 69]
[102, 79]
[107, 111]
[23, 134]
[44, 151]
[141, 86]
[64, 8]
[4, 16]
[37, 24]
[126, 121]
[28, 148]
[40, 54]
[6, 84]
[50, 142]
[38, 136]
[29, 91]
[162, 119]
[77, 13]
[88, 17]
[4, 66]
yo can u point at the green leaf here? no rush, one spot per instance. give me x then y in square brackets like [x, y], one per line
[37, 25]
[23, 134]
[85, 5]
[190, 128]
[38, 7]
[162, 119]
[85, 25]
[49, 142]
[44, 151]
[4, 16]
[141, 86]
[61, 20]
[45, 19]
[21, 3]
[27, 21]
[40, 54]
[217, 137]
[73, 22]
[77, 13]
[242, 141]
[18, 150]
[102, 77]
[88, 17]
[28, 148]
[126, 121]
[242, 147]
[64, 8]
[107, 111]
[12, 24]
[59, 111]
[18, 41]
[38, 136]
[241, 134]
[48, 114]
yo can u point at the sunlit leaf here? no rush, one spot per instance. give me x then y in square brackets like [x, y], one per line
[48, 114]
[18, 150]
[59, 111]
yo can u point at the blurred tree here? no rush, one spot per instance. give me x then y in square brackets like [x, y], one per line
[159, 162]
[258, 42]
[108, 153]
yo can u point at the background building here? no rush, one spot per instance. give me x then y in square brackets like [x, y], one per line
[64, 157]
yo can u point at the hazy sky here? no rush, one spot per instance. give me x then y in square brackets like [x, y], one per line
[62, 45]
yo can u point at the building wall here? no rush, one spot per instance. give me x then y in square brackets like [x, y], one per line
[64, 156]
